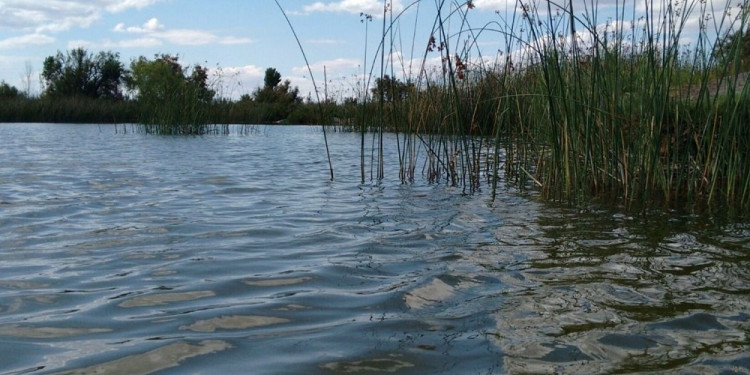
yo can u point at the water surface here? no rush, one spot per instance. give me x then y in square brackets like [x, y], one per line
[124, 253]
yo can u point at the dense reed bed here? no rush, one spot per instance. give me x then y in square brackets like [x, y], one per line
[67, 109]
[621, 110]
[103, 111]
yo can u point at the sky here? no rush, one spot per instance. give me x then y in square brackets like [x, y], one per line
[238, 39]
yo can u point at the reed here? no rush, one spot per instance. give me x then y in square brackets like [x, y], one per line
[320, 103]
[620, 123]
[175, 110]
[67, 110]
[620, 110]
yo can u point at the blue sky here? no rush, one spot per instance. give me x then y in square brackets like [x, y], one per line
[239, 39]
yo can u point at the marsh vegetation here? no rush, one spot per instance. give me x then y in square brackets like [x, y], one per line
[579, 107]
[619, 109]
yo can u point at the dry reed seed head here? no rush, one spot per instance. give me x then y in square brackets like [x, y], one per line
[460, 67]
[432, 45]
[470, 4]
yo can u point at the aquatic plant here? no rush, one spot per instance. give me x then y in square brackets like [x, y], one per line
[67, 110]
[632, 115]
[325, 137]
[580, 109]
[171, 100]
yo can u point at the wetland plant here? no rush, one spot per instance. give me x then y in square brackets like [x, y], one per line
[172, 99]
[580, 108]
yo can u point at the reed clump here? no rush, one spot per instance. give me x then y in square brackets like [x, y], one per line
[621, 110]
[67, 110]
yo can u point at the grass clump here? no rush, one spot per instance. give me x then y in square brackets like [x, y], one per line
[621, 110]
[170, 99]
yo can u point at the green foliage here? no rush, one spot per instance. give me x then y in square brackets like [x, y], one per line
[68, 110]
[734, 47]
[272, 78]
[171, 99]
[276, 99]
[624, 115]
[7, 91]
[391, 89]
[80, 73]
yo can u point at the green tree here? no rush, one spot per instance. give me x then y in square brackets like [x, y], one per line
[168, 93]
[156, 80]
[732, 46]
[272, 78]
[278, 98]
[391, 89]
[7, 91]
[164, 79]
[276, 91]
[80, 73]
[199, 80]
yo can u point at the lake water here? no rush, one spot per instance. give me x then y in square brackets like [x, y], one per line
[124, 253]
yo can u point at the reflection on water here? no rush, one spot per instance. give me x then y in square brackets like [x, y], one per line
[164, 298]
[233, 322]
[133, 254]
[152, 361]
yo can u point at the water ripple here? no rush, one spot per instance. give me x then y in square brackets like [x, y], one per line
[140, 254]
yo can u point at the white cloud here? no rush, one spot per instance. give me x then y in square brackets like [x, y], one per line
[116, 6]
[25, 40]
[72, 44]
[235, 40]
[495, 4]
[372, 7]
[150, 26]
[155, 31]
[186, 37]
[325, 41]
[60, 15]
[342, 77]
[235, 81]
[140, 43]
[247, 71]
[330, 66]
[109, 44]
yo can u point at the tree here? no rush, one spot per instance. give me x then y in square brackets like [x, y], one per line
[279, 98]
[164, 79]
[734, 45]
[199, 80]
[7, 91]
[274, 91]
[391, 89]
[272, 78]
[80, 73]
[26, 77]
[169, 94]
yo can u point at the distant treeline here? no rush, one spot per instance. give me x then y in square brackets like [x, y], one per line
[104, 111]
[82, 87]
